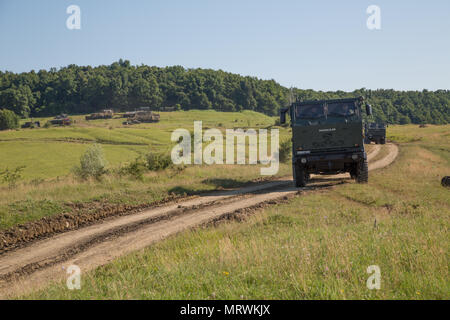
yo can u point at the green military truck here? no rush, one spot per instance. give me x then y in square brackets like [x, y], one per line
[327, 138]
[375, 132]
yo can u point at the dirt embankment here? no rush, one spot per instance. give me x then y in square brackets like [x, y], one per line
[80, 216]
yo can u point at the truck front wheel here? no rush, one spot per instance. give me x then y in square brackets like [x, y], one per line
[300, 177]
[362, 174]
[353, 172]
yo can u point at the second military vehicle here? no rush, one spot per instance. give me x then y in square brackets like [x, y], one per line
[375, 132]
[327, 138]
[144, 115]
[61, 120]
[104, 114]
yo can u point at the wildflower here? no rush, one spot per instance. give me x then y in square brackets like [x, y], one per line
[226, 273]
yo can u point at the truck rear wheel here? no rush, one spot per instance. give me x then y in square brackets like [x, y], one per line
[300, 177]
[362, 175]
[383, 141]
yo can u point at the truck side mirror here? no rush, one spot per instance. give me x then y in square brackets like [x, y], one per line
[283, 115]
[368, 109]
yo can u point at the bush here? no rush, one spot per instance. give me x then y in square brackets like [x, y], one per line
[47, 125]
[136, 169]
[285, 150]
[158, 161]
[8, 120]
[11, 176]
[92, 163]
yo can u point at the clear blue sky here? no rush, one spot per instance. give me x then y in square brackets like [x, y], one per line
[308, 44]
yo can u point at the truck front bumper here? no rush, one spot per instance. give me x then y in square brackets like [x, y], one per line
[329, 162]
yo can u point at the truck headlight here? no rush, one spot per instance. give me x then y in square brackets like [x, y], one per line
[354, 156]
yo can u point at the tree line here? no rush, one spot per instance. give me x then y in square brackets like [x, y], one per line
[124, 87]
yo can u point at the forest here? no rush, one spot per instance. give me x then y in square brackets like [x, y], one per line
[125, 87]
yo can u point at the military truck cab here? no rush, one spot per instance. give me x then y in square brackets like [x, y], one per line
[375, 132]
[327, 138]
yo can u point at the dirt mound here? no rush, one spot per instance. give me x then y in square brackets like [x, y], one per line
[82, 214]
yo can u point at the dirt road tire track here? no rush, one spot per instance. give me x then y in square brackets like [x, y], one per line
[33, 266]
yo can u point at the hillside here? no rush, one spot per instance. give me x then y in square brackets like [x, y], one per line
[122, 86]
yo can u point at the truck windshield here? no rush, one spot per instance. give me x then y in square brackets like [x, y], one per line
[312, 111]
[341, 109]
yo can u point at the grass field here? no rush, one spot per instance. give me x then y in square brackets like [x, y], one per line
[48, 188]
[52, 152]
[316, 246]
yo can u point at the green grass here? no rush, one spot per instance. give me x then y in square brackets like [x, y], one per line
[316, 246]
[49, 154]
[115, 189]
[44, 160]
[52, 152]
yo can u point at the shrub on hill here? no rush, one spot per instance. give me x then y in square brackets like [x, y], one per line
[92, 163]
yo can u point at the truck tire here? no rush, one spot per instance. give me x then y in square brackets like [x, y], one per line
[353, 172]
[300, 177]
[445, 182]
[383, 141]
[362, 175]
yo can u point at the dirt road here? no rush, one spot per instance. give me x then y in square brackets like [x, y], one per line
[33, 266]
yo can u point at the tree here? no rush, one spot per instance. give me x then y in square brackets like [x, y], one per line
[8, 120]
[18, 100]
[121, 86]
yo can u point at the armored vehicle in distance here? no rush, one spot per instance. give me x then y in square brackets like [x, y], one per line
[375, 132]
[61, 120]
[142, 116]
[104, 114]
